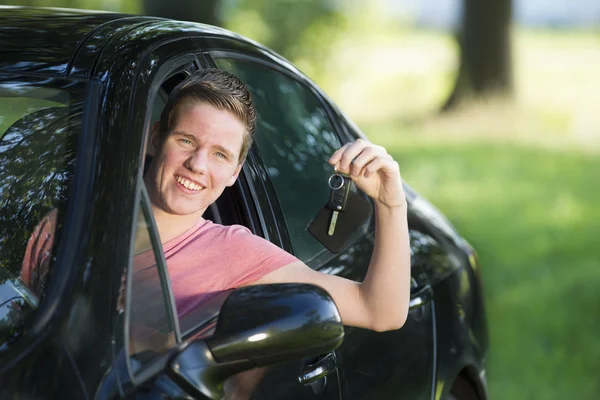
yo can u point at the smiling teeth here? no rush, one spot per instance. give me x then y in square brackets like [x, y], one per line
[188, 184]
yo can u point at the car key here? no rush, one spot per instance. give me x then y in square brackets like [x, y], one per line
[340, 187]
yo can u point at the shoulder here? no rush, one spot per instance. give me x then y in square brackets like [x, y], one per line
[237, 239]
[213, 229]
[240, 238]
[223, 236]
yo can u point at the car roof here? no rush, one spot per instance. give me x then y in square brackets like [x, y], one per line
[44, 40]
[48, 41]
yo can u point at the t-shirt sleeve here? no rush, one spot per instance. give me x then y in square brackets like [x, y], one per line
[251, 257]
[36, 261]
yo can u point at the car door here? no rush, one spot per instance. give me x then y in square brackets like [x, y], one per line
[283, 380]
[297, 132]
[149, 326]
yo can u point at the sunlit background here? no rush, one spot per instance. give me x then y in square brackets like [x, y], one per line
[492, 109]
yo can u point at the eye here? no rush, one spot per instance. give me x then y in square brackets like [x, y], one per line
[221, 155]
[185, 141]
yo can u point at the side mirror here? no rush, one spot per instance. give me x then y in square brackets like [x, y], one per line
[17, 305]
[259, 326]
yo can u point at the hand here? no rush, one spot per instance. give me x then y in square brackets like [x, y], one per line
[373, 171]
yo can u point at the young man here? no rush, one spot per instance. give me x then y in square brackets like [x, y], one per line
[198, 149]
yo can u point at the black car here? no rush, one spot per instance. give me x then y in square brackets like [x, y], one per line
[78, 93]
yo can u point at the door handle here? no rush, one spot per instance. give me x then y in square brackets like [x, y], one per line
[419, 296]
[318, 370]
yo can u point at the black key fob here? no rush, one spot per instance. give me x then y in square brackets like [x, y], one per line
[340, 188]
[350, 224]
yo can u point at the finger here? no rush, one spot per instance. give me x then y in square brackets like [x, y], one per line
[362, 159]
[367, 155]
[380, 164]
[355, 148]
[350, 154]
[337, 155]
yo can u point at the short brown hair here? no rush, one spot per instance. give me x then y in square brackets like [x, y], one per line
[221, 90]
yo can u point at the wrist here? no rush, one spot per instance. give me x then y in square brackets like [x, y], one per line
[399, 207]
[399, 203]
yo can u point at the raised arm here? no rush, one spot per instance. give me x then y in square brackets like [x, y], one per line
[380, 302]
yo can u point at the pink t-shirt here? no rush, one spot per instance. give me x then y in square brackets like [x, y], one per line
[210, 258]
[202, 262]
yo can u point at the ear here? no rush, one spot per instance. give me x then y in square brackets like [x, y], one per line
[154, 141]
[235, 175]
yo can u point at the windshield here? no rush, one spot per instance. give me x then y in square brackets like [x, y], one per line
[39, 125]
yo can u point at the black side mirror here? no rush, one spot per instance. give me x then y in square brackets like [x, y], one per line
[259, 326]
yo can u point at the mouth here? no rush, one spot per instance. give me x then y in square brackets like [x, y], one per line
[188, 184]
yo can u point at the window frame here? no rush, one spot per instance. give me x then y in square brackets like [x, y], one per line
[68, 257]
[183, 63]
[157, 364]
[237, 201]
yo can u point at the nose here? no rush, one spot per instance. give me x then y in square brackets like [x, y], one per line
[197, 162]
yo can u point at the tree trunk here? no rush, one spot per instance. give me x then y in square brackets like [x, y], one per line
[485, 52]
[205, 11]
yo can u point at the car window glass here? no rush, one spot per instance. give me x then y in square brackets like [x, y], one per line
[151, 327]
[39, 126]
[157, 107]
[159, 102]
[295, 138]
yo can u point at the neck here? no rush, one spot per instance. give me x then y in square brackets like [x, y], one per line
[170, 226]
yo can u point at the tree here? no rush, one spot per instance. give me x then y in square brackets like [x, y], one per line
[205, 11]
[485, 52]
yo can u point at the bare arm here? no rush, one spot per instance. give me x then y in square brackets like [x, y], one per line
[380, 302]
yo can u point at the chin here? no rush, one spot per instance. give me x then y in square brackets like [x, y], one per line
[186, 211]
[181, 208]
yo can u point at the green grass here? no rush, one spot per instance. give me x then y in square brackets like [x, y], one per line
[532, 214]
[521, 181]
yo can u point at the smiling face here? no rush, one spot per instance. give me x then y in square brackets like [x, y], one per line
[196, 161]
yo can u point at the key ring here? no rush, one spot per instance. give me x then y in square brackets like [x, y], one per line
[336, 181]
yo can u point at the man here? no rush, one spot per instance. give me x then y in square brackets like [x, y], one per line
[198, 148]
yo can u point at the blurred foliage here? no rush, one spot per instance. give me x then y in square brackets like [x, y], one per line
[308, 38]
[307, 32]
[205, 11]
[518, 181]
[270, 23]
[123, 6]
[313, 33]
[532, 214]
